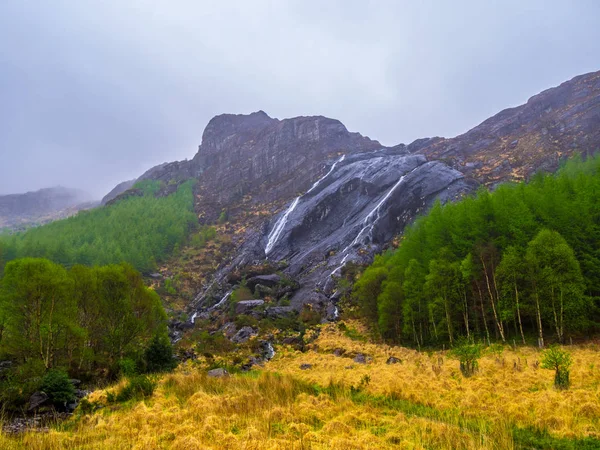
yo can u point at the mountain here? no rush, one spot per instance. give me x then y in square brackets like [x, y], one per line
[45, 205]
[307, 196]
[517, 142]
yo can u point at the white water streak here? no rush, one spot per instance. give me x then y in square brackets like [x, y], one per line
[367, 221]
[220, 303]
[280, 225]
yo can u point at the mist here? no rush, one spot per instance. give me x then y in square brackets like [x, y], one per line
[96, 92]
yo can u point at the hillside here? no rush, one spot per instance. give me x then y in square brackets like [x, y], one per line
[18, 211]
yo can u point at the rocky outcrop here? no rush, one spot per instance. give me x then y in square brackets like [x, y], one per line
[517, 142]
[117, 190]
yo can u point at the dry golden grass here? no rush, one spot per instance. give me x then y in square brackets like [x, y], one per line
[507, 387]
[281, 406]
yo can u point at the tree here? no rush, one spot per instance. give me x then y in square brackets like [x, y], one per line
[159, 355]
[560, 361]
[36, 295]
[557, 282]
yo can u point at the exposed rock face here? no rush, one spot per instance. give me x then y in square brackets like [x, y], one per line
[117, 190]
[535, 136]
[243, 335]
[45, 205]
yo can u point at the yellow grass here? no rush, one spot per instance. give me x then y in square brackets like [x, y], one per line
[508, 386]
[280, 407]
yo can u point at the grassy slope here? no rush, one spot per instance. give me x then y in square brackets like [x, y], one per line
[417, 404]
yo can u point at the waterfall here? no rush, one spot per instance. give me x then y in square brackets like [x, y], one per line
[278, 228]
[280, 225]
[368, 222]
[316, 183]
[194, 317]
[220, 303]
[340, 266]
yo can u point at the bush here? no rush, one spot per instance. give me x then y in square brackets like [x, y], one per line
[159, 355]
[58, 387]
[560, 361]
[138, 387]
[127, 367]
[468, 355]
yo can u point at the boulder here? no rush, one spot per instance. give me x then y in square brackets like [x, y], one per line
[218, 373]
[229, 330]
[339, 352]
[305, 366]
[393, 360]
[243, 335]
[266, 350]
[245, 306]
[361, 358]
[276, 312]
[37, 399]
[269, 281]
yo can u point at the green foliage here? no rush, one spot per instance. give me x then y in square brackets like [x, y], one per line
[213, 343]
[204, 235]
[468, 355]
[140, 230]
[127, 367]
[224, 216]
[496, 265]
[87, 320]
[149, 187]
[57, 386]
[137, 388]
[159, 355]
[560, 361]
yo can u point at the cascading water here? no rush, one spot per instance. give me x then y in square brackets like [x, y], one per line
[369, 222]
[280, 225]
[220, 303]
[371, 219]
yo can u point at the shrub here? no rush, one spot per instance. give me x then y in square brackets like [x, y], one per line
[127, 367]
[138, 387]
[468, 355]
[58, 387]
[560, 361]
[159, 355]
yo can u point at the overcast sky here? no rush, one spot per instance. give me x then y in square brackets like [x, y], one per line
[95, 92]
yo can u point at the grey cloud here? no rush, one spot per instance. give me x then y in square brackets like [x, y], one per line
[95, 92]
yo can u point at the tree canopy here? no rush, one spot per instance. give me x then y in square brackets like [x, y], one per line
[519, 263]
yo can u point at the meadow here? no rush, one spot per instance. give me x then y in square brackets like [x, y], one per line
[422, 402]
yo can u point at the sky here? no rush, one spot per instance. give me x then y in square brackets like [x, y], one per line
[95, 92]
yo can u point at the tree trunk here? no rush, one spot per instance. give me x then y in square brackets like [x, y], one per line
[489, 287]
[519, 312]
[487, 331]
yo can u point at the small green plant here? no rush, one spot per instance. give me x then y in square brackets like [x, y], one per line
[58, 387]
[138, 387]
[560, 361]
[224, 216]
[170, 287]
[364, 382]
[468, 355]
